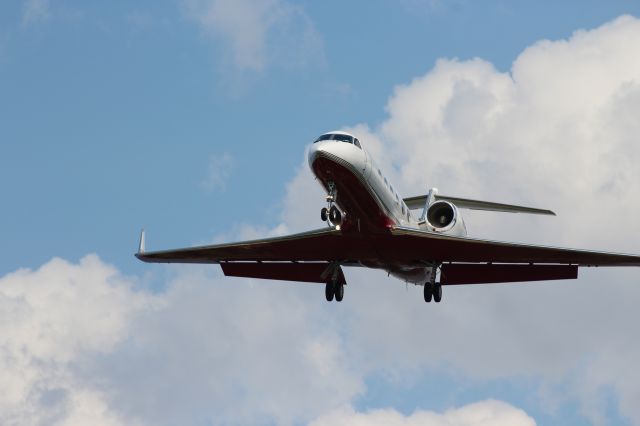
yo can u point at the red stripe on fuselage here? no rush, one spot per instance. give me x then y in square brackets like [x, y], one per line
[354, 196]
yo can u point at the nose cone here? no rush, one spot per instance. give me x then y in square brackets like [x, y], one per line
[342, 153]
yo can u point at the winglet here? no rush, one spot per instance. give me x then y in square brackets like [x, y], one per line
[141, 245]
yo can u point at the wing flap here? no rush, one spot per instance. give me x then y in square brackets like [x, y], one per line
[474, 273]
[285, 271]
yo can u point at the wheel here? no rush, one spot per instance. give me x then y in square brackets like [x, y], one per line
[334, 215]
[428, 292]
[323, 214]
[437, 292]
[339, 290]
[328, 292]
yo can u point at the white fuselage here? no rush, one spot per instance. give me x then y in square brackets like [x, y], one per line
[356, 166]
[360, 163]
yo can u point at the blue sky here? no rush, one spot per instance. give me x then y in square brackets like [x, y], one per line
[191, 118]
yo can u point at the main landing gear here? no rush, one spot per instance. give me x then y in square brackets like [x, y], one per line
[332, 289]
[334, 286]
[331, 214]
[432, 289]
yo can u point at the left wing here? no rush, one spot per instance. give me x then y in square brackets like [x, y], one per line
[407, 243]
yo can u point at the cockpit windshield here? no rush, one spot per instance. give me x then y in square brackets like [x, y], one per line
[335, 137]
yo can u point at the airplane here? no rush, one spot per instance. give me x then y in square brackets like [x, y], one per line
[370, 225]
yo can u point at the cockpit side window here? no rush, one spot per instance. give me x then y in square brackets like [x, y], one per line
[356, 142]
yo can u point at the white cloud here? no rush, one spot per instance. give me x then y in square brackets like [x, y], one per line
[258, 32]
[35, 11]
[52, 320]
[233, 351]
[220, 168]
[79, 345]
[484, 413]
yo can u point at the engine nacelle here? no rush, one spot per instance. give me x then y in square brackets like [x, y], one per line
[442, 216]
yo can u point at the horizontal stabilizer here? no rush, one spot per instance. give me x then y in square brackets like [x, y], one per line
[464, 203]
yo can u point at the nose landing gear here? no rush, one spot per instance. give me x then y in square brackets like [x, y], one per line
[331, 214]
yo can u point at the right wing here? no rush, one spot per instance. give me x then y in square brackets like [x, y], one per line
[322, 245]
[314, 256]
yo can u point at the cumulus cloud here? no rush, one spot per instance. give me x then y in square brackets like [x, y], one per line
[485, 413]
[258, 32]
[52, 320]
[81, 344]
[231, 351]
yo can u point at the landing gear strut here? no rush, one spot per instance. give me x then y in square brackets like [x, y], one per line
[432, 289]
[331, 214]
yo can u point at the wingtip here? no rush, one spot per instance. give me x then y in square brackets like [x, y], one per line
[141, 244]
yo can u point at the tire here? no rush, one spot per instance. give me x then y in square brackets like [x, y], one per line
[328, 292]
[323, 214]
[339, 291]
[437, 293]
[428, 292]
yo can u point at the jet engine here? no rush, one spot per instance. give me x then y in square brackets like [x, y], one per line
[442, 216]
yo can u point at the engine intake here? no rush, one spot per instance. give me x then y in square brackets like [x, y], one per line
[442, 216]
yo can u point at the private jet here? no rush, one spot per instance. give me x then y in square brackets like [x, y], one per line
[370, 225]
